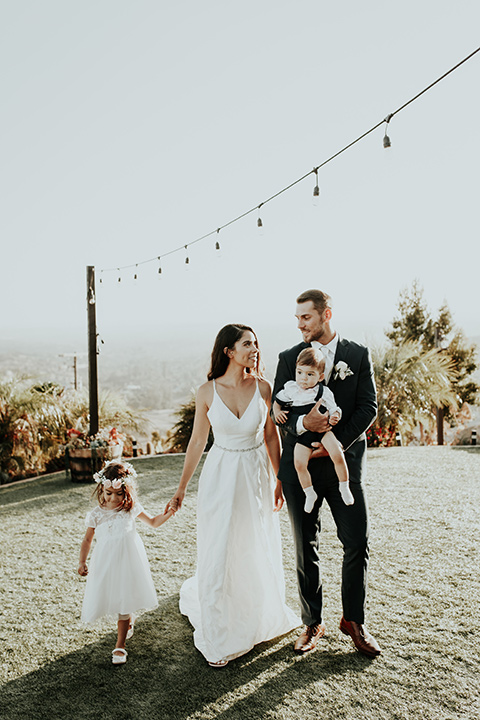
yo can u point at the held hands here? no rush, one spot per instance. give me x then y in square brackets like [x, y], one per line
[175, 503]
[281, 416]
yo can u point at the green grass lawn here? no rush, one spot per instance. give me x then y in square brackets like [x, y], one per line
[423, 607]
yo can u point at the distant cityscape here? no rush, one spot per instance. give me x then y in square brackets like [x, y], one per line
[154, 378]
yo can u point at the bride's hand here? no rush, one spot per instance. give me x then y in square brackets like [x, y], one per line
[278, 498]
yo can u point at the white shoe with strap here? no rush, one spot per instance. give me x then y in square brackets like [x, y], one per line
[119, 656]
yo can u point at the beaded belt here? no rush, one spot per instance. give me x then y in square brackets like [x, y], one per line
[239, 450]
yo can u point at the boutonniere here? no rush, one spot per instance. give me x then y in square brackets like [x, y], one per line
[342, 370]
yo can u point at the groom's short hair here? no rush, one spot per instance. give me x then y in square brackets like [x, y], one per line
[321, 301]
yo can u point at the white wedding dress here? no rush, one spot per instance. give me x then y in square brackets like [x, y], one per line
[236, 599]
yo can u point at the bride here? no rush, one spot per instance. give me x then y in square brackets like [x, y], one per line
[236, 598]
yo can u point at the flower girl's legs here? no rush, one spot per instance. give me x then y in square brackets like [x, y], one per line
[123, 626]
[301, 456]
[331, 444]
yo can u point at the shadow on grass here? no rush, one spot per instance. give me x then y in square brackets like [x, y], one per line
[166, 677]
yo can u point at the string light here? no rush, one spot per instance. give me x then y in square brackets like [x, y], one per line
[259, 221]
[187, 259]
[316, 192]
[316, 189]
[386, 140]
[218, 249]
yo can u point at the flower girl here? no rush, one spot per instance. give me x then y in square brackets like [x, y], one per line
[119, 582]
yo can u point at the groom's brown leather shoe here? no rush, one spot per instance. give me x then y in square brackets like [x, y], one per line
[309, 638]
[363, 641]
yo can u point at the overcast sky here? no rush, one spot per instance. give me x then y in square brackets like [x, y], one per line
[130, 129]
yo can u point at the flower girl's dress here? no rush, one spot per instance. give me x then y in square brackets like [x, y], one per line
[119, 579]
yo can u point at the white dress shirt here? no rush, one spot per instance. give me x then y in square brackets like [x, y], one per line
[328, 351]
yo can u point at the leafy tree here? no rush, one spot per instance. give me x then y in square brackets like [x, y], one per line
[182, 429]
[415, 324]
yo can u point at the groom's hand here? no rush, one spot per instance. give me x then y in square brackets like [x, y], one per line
[317, 421]
[319, 450]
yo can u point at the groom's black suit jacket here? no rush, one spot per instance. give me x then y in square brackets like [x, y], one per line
[356, 396]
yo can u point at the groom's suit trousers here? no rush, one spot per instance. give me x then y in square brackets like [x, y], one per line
[352, 531]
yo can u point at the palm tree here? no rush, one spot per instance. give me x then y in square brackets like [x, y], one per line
[410, 385]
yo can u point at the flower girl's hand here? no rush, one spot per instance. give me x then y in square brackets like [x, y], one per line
[82, 569]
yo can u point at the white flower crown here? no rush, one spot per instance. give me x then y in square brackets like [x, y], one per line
[117, 483]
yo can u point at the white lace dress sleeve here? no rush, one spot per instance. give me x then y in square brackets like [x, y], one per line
[93, 517]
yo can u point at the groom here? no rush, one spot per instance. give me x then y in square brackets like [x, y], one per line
[349, 374]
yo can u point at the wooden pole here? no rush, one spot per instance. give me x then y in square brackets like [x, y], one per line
[440, 411]
[75, 382]
[92, 350]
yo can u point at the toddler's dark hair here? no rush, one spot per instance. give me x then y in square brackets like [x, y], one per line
[312, 357]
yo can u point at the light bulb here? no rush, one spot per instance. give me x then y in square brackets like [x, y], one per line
[386, 139]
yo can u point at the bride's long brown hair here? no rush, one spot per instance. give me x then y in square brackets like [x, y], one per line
[226, 338]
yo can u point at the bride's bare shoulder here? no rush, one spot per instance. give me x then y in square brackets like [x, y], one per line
[265, 389]
[205, 393]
